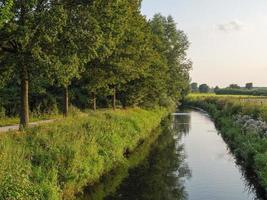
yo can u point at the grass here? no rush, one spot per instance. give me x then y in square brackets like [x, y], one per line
[250, 148]
[55, 161]
[110, 182]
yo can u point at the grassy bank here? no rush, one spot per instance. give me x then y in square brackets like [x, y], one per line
[57, 160]
[111, 182]
[249, 144]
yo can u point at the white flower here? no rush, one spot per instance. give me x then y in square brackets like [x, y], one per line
[249, 125]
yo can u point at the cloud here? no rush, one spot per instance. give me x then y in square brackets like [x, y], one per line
[234, 25]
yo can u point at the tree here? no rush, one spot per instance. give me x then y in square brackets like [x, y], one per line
[75, 46]
[249, 86]
[173, 47]
[96, 49]
[216, 89]
[204, 88]
[128, 60]
[32, 28]
[234, 86]
[133, 57]
[194, 87]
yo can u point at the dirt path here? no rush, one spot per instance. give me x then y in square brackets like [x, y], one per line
[16, 127]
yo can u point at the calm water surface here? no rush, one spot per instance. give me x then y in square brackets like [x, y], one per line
[189, 160]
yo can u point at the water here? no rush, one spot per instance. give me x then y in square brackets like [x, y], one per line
[189, 160]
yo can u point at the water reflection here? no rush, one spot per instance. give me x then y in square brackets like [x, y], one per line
[160, 175]
[182, 123]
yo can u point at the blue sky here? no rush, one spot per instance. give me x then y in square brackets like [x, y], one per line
[228, 37]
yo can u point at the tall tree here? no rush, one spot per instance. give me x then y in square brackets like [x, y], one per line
[112, 18]
[33, 28]
[132, 58]
[76, 45]
[174, 45]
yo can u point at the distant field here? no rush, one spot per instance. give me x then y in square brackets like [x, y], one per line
[243, 91]
[242, 99]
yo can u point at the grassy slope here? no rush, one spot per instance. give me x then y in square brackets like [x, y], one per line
[251, 148]
[57, 160]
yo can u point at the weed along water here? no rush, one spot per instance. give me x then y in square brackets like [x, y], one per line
[189, 160]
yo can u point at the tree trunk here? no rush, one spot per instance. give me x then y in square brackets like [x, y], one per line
[94, 101]
[66, 102]
[24, 101]
[114, 99]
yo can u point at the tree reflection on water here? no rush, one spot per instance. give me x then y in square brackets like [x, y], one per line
[162, 174]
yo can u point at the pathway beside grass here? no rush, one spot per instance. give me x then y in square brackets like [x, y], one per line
[16, 127]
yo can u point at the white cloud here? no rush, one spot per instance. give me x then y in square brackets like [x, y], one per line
[234, 25]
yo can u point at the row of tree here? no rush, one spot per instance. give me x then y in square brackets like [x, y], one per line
[88, 49]
[236, 86]
[204, 88]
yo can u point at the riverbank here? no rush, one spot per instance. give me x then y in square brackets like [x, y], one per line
[109, 183]
[248, 144]
[57, 160]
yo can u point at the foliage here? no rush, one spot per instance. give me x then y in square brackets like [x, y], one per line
[242, 121]
[249, 86]
[194, 87]
[92, 49]
[234, 86]
[39, 164]
[243, 91]
[204, 88]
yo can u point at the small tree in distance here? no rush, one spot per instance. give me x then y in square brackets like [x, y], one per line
[194, 87]
[234, 86]
[216, 89]
[204, 88]
[249, 86]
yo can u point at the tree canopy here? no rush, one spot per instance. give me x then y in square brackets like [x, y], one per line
[204, 88]
[101, 53]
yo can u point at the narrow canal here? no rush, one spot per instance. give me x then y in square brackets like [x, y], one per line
[189, 160]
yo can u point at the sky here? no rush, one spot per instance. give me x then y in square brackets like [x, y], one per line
[228, 38]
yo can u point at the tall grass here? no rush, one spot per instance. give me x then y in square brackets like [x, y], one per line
[55, 161]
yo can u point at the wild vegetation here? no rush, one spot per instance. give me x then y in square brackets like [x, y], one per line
[109, 183]
[56, 161]
[89, 54]
[242, 121]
